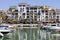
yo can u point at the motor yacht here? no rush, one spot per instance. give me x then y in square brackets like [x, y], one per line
[4, 29]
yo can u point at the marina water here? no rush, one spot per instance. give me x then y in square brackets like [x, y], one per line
[29, 34]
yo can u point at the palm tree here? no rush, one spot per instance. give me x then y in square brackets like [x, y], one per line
[41, 7]
[16, 16]
[10, 9]
[24, 21]
[2, 16]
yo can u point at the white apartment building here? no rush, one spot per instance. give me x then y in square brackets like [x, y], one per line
[42, 14]
[33, 13]
[28, 12]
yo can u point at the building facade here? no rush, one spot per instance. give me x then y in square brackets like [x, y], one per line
[44, 14]
[34, 14]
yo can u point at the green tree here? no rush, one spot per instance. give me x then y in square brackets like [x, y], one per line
[41, 7]
[24, 21]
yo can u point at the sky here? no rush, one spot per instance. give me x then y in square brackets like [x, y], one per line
[4, 4]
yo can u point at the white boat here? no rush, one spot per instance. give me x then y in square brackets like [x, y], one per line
[52, 26]
[1, 34]
[4, 30]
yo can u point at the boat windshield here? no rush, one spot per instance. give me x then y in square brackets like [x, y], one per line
[53, 25]
[3, 26]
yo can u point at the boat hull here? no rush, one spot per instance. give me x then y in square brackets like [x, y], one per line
[5, 31]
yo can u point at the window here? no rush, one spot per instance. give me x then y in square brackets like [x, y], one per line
[27, 16]
[27, 8]
[57, 17]
[46, 16]
[23, 13]
[38, 13]
[16, 13]
[35, 16]
[35, 8]
[23, 5]
[12, 13]
[54, 13]
[42, 11]
[46, 13]
[46, 10]
[27, 13]
[35, 11]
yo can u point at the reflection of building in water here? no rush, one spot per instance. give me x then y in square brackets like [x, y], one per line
[28, 34]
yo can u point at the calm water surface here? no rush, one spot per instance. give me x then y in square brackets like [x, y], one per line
[28, 34]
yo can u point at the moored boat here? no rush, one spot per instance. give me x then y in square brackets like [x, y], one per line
[4, 30]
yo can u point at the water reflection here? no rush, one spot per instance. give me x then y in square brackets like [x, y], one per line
[30, 34]
[22, 34]
[4, 38]
[1, 38]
